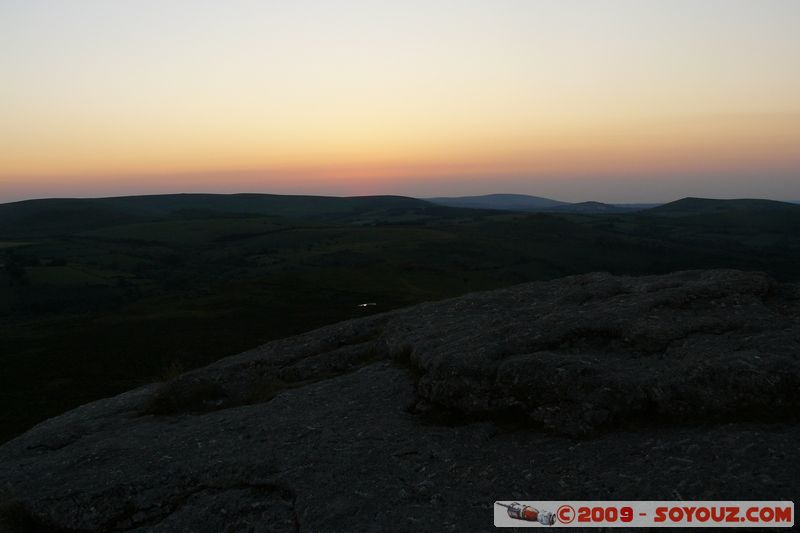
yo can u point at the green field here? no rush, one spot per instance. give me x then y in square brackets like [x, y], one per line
[97, 305]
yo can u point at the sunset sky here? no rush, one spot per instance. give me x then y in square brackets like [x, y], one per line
[625, 100]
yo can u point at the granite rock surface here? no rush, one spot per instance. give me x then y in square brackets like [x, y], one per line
[681, 386]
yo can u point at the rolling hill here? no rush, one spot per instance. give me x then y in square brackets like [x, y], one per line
[523, 202]
[63, 216]
[705, 206]
[505, 202]
[589, 207]
[746, 215]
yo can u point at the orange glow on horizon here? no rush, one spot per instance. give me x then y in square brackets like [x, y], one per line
[349, 96]
[649, 147]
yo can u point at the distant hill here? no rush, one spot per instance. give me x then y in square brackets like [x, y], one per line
[260, 204]
[704, 206]
[590, 207]
[506, 202]
[725, 216]
[61, 216]
[524, 202]
[69, 215]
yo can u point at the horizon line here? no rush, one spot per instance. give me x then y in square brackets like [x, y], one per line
[425, 198]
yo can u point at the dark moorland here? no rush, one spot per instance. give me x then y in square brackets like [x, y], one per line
[99, 296]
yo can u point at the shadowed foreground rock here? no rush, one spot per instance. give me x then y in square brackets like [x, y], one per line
[684, 386]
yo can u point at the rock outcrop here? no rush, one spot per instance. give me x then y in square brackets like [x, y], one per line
[589, 387]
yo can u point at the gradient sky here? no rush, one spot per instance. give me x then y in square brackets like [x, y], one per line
[625, 100]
